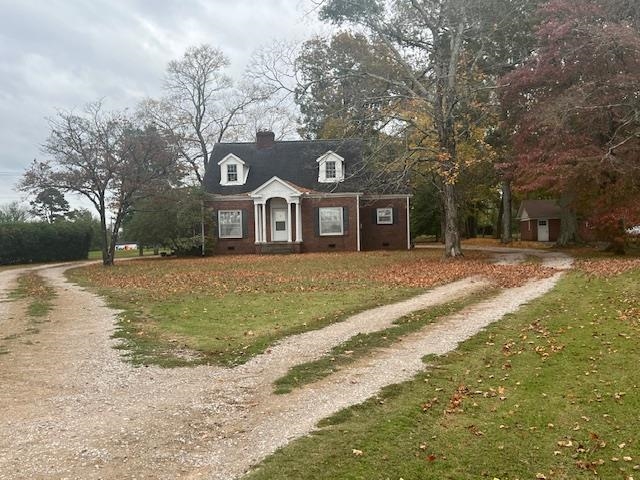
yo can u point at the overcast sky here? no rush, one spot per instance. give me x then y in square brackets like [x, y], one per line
[62, 54]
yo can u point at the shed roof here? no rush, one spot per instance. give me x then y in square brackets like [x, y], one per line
[535, 209]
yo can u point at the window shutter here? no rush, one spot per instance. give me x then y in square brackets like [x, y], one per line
[245, 224]
[316, 221]
[345, 220]
[394, 212]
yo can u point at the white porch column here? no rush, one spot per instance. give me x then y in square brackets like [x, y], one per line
[256, 222]
[298, 221]
[264, 222]
[289, 229]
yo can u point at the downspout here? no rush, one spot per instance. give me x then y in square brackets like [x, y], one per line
[358, 219]
[202, 225]
[408, 226]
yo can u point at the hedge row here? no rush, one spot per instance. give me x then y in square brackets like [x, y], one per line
[43, 242]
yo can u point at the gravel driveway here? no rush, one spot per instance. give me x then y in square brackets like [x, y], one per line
[71, 408]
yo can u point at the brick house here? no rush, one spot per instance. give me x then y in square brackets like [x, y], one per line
[300, 196]
[539, 220]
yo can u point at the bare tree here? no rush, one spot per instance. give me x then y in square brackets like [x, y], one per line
[201, 106]
[13, 212]
[106, 158]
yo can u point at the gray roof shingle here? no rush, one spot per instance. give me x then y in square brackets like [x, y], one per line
[293, 161]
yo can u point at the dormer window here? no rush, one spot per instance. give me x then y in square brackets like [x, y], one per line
[330, 168]
[233, 171]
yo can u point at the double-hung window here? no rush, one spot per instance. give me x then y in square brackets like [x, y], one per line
[232, 173]
[330, 170]
[384, 216]
[230, 223]
[330, 221]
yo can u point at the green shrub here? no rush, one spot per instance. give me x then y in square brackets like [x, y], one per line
[43, 242]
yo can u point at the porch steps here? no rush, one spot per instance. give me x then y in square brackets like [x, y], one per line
[277, 248]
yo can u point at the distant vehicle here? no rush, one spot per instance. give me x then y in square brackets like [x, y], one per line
[635, 231]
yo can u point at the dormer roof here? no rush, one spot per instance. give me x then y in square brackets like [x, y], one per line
[231, 158]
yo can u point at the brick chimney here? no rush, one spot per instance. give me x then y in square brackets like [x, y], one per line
[265, 139]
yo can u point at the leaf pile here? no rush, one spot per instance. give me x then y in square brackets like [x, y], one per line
[219, 276]
[607, 267]
[426, 273]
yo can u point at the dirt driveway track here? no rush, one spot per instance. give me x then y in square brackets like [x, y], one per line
[71, 408]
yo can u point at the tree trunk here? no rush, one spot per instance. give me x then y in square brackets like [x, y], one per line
[506, 236]
[103, 231]
[568, 223]
[451, 231]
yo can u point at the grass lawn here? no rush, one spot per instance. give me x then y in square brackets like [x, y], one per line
[97, 254]
[551, 392]
[225, 309]
[34, 288]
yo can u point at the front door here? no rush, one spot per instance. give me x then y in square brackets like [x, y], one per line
[543, 230]
[279, 227]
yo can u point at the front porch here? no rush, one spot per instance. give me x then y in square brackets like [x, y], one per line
[277, 217]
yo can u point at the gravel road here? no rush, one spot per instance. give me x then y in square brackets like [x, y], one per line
[70, 408]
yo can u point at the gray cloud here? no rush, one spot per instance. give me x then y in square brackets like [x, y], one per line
[62, 54]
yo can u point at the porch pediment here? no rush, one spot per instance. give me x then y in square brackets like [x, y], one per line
[275, 187]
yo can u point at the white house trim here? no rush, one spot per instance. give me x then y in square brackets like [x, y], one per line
[408, 226]
[358, 222]
[277, 188]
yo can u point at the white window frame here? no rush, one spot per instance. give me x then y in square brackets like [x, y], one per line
[330, 174]
[384, 212]
[221, 213]
[320, 225]
[232, 169]
[338, 162]
[241, 170]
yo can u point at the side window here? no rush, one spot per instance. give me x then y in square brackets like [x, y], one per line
[330, 221]
[230, 223]
[384, 216]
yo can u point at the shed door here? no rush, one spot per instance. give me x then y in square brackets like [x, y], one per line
[543, 230]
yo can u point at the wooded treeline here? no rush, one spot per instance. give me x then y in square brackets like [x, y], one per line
[462, 100]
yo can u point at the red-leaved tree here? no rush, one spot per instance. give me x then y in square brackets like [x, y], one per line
[574, 107]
